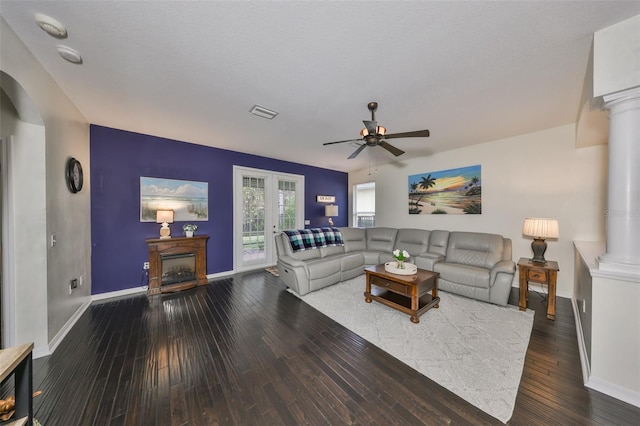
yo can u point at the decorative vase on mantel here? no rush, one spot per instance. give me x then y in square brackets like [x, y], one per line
[189, 229]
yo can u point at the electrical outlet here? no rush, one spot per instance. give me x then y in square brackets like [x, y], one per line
[74, 283]
[145, 266]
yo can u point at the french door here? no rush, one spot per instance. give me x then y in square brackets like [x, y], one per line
[264, 204]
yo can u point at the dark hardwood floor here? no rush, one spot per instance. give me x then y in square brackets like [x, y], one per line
[243, 351]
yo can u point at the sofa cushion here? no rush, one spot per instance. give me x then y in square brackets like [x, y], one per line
[381, 239]
[355, 239]
[438, 242]
[473, 276]
[372, 258]
[351, 261]
[427, 260]
[330, 251]
[320, 268]
[415, 241]
[474, 249]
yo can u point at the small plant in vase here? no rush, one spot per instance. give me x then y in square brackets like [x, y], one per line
[400, 256]
[189, 229]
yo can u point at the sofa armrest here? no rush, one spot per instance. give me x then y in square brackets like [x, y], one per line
[428, 260]
[504, 266]
[294, 263]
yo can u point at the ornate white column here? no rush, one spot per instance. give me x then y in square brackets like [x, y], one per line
[623, 197]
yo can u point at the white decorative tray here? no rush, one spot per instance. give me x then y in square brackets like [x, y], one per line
[409, 268]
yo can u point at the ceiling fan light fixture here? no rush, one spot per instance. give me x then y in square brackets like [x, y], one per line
[375, 136]
[380, 130]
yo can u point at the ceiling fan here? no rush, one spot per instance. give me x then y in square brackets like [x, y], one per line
[374, 135]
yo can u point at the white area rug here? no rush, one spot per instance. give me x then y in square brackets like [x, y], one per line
[474, 349]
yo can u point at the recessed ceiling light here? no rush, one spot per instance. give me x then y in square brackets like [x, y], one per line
[69, 54]
[263, 112]
[51, 26]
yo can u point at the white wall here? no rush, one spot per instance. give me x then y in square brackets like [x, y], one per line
[616, 64]
[66, 134]
[538, 174]
[25, 255]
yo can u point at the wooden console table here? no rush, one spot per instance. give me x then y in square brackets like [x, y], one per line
[18, 361]
[159, 247]
[540, 273]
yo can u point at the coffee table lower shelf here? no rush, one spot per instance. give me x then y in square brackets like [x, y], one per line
[410, 294]
[402, 303]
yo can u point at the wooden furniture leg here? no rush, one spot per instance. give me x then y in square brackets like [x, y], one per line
[523, 290]
[551, 304]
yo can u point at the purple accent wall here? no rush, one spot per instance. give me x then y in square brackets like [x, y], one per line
[119, 158]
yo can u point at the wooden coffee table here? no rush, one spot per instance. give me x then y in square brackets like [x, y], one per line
[406, 293]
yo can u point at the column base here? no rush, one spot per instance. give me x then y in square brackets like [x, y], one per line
[619, 264]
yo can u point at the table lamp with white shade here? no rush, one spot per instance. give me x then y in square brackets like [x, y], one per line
[165, 217]
[331, 211]
[540, 229]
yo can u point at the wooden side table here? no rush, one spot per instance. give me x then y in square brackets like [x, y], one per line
[546, 273]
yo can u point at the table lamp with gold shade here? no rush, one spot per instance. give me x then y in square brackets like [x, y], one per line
[540, 229]
[165, 217]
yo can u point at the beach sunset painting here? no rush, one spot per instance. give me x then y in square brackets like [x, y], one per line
[189, 200]
[454, 191]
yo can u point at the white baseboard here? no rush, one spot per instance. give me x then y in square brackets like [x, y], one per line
[582, 346]
[143, 289]
[618, 392]
[220, 274]
[118, 293]
[39, 352]
[57, 339]
[539, 288]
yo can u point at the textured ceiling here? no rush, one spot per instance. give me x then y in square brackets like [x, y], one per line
[470, 72]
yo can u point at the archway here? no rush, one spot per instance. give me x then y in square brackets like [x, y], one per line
[19, 120]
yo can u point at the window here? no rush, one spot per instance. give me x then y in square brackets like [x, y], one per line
[364, 205]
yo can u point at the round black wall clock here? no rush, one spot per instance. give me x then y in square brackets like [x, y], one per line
[74, 175]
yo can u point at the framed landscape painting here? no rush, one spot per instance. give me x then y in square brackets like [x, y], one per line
[454, 191]
[189, 200]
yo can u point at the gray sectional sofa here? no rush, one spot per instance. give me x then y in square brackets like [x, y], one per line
[471, 264]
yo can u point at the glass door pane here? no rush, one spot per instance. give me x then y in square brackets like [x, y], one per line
[253, 219]
[286, 205]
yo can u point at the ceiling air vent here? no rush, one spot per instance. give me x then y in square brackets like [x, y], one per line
[263, 112]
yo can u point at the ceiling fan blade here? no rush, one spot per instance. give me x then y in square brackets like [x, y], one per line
[371, 126]
[357, 151]
[348, 140]
[392, 149]
[416, 134]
